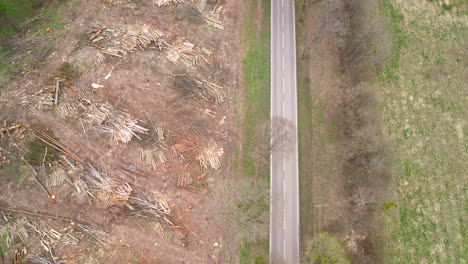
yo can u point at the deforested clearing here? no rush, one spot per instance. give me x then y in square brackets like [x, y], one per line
[116, 131]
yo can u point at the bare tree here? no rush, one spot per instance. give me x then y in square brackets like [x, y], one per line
[276, 136]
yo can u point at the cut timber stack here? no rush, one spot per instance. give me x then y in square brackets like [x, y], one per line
[167, 2]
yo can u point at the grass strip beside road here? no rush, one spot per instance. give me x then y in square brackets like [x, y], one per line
[423, 101]
[256, 102]
[256, 77]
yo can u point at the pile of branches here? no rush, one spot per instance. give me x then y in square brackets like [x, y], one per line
[152, 157]
[211, 157]
[200, 88]
[16, 130]
[101, 181]
[106, 119]
[184, 179]
[123, 3]
[183, 52]
[182, 147]
[212, 17]
[159, 208]
[119, 42]
[160, 3]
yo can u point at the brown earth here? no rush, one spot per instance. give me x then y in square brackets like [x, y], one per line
[146, 91]
[344, 166]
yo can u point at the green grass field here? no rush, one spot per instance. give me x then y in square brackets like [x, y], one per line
[423, 99]
[256, 75]
[256, 105]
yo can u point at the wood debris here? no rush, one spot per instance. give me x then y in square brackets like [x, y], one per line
[97, 180]
[16, 130]
[10, 231]
[159, 208]
[123, 192]
[122, 3]
[182, 147]
[211, 90]
[56, 178]
[120, 125]
[183, 52]
[120, 42]
[147, 156]
[160, 3]
[211, 157]
[35, 259]
[212, 17]
[184, 179]
[200, 88]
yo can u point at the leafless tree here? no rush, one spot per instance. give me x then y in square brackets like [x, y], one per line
[276, 136]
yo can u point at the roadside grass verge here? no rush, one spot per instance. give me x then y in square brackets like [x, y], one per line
[424, 96]
[256, 79]
[256, 112]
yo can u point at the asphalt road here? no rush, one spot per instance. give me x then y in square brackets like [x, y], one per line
[284, 215]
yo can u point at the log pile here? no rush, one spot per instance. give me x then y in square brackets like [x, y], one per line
[200, 88]
[123, 192]
[160, 208]
[211, 157]
[184, 179]
[182, 147]
[152, 156]
[120, 42]
[212, 17]
[161, 3]
[210, 90]
[183, 52]
[106, 119]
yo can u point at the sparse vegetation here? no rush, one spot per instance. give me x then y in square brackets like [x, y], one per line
[39, 153]
[423, 101]
[323, 248]
[25, 34]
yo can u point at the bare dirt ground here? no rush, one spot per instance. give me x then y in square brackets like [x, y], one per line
[149, 88]
[343, 163]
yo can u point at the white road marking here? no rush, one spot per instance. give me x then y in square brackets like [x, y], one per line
[282, 44]
[283, 86]
[283, 63]
[284, 164]
[284, 250]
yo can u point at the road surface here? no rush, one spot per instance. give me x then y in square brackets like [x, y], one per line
[284, 215]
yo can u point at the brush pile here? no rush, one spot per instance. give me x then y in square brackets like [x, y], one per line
[120, 42]
[183, 52]
[160, 3]
[143, 207]
[35, 259]
[97, 180]
[123, 192]
[71, 101]
[212, 17]
[106, 119]
[184, 179]
[182, 147]
[211, 157]
[194, 87]
[152, 156]
[122, 3]
[15, 131]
